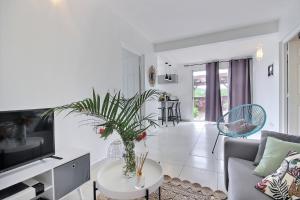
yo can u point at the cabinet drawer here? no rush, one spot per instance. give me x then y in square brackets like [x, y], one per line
[71, 175]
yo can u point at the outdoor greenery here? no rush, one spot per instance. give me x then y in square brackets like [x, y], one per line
[195, 112]
[200, 92]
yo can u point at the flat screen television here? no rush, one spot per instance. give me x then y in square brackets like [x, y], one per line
[25, 137]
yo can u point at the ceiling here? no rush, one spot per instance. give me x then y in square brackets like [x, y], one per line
[165, 20]
[220, 51]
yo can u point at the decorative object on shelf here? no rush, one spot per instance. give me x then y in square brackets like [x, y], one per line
[115, 113]
[115, 150]
[270, 70]
[161, 79]
[166, 77]
[170, 76]
[259, 54]
[152, 76]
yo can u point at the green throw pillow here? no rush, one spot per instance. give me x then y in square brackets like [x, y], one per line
[275, 152]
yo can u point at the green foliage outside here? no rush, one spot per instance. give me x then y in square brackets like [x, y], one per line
[195, 112]
[200, 92]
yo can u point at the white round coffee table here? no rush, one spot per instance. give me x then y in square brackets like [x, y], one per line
[113, 184]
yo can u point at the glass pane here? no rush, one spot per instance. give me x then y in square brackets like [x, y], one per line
[223, 74]
[199, 90]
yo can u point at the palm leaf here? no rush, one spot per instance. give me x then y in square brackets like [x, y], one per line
[118, 113]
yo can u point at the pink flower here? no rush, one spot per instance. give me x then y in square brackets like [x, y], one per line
[101, 130]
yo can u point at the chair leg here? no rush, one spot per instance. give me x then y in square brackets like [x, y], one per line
[173, 121]
[215, 143]
[177, 116]
[162, 116]
[170, 116]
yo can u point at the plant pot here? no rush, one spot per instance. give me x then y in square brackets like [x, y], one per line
[129, 168]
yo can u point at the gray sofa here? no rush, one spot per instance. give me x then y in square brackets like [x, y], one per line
[239, 155]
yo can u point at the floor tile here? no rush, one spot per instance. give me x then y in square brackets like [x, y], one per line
[209, 164]
[204, 177]
[171, 169]
[221, 183]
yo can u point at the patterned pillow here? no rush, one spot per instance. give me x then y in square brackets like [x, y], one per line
[284, 184]
[240, 126]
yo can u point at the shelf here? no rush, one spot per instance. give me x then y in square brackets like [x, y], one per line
[46, 194]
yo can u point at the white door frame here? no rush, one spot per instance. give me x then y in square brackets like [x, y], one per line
[283, 103]
[142, 70]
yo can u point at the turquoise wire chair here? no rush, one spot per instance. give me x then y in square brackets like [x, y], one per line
[241, 121]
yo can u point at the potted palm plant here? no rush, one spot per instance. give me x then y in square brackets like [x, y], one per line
[115, 113]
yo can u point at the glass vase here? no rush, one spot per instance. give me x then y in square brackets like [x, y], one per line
[129, 159]
[140, 181]
[115, 150]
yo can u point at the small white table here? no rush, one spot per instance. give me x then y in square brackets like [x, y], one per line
[113, 184]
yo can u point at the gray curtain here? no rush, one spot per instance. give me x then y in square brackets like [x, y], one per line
[239, 82]
[213, 106]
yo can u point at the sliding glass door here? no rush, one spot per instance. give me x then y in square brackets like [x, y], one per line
[223, 73]
[199, 92]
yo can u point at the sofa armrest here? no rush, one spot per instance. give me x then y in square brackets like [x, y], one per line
[245, 149]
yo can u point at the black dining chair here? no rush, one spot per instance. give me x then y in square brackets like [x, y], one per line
[178, 112]
[170, 113]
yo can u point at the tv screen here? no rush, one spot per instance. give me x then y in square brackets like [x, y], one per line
[25, 137]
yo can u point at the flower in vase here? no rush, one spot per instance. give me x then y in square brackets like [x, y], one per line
[141, 136]
[101, 130]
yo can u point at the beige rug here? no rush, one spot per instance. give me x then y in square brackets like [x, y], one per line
[176, 189]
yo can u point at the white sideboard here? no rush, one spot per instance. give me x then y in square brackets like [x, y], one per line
[58, 176]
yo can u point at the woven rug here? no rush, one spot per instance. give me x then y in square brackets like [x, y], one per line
[176, 189]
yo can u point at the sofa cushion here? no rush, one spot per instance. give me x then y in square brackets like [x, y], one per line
[240, 126]
[263, 141]
[275, 152]
[283, 184]
[242, 181]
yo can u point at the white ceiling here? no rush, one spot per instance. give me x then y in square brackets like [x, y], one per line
[220, 51]
[165, 20]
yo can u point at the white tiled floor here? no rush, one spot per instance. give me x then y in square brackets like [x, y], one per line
[185, 152]
[188, 146]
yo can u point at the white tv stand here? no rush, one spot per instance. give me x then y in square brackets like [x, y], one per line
[58, 176]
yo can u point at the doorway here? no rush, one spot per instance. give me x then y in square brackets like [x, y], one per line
[133, 73]
[199, 91]
[293, 85]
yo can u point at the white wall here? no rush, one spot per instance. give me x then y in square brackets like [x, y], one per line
[290, 19]
[266, 89]
[51, 55]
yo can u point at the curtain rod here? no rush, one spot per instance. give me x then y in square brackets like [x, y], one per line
[220, 61]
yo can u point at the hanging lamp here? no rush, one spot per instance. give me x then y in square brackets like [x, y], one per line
[166, 76]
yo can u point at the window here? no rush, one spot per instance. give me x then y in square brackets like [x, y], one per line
[199, 92]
